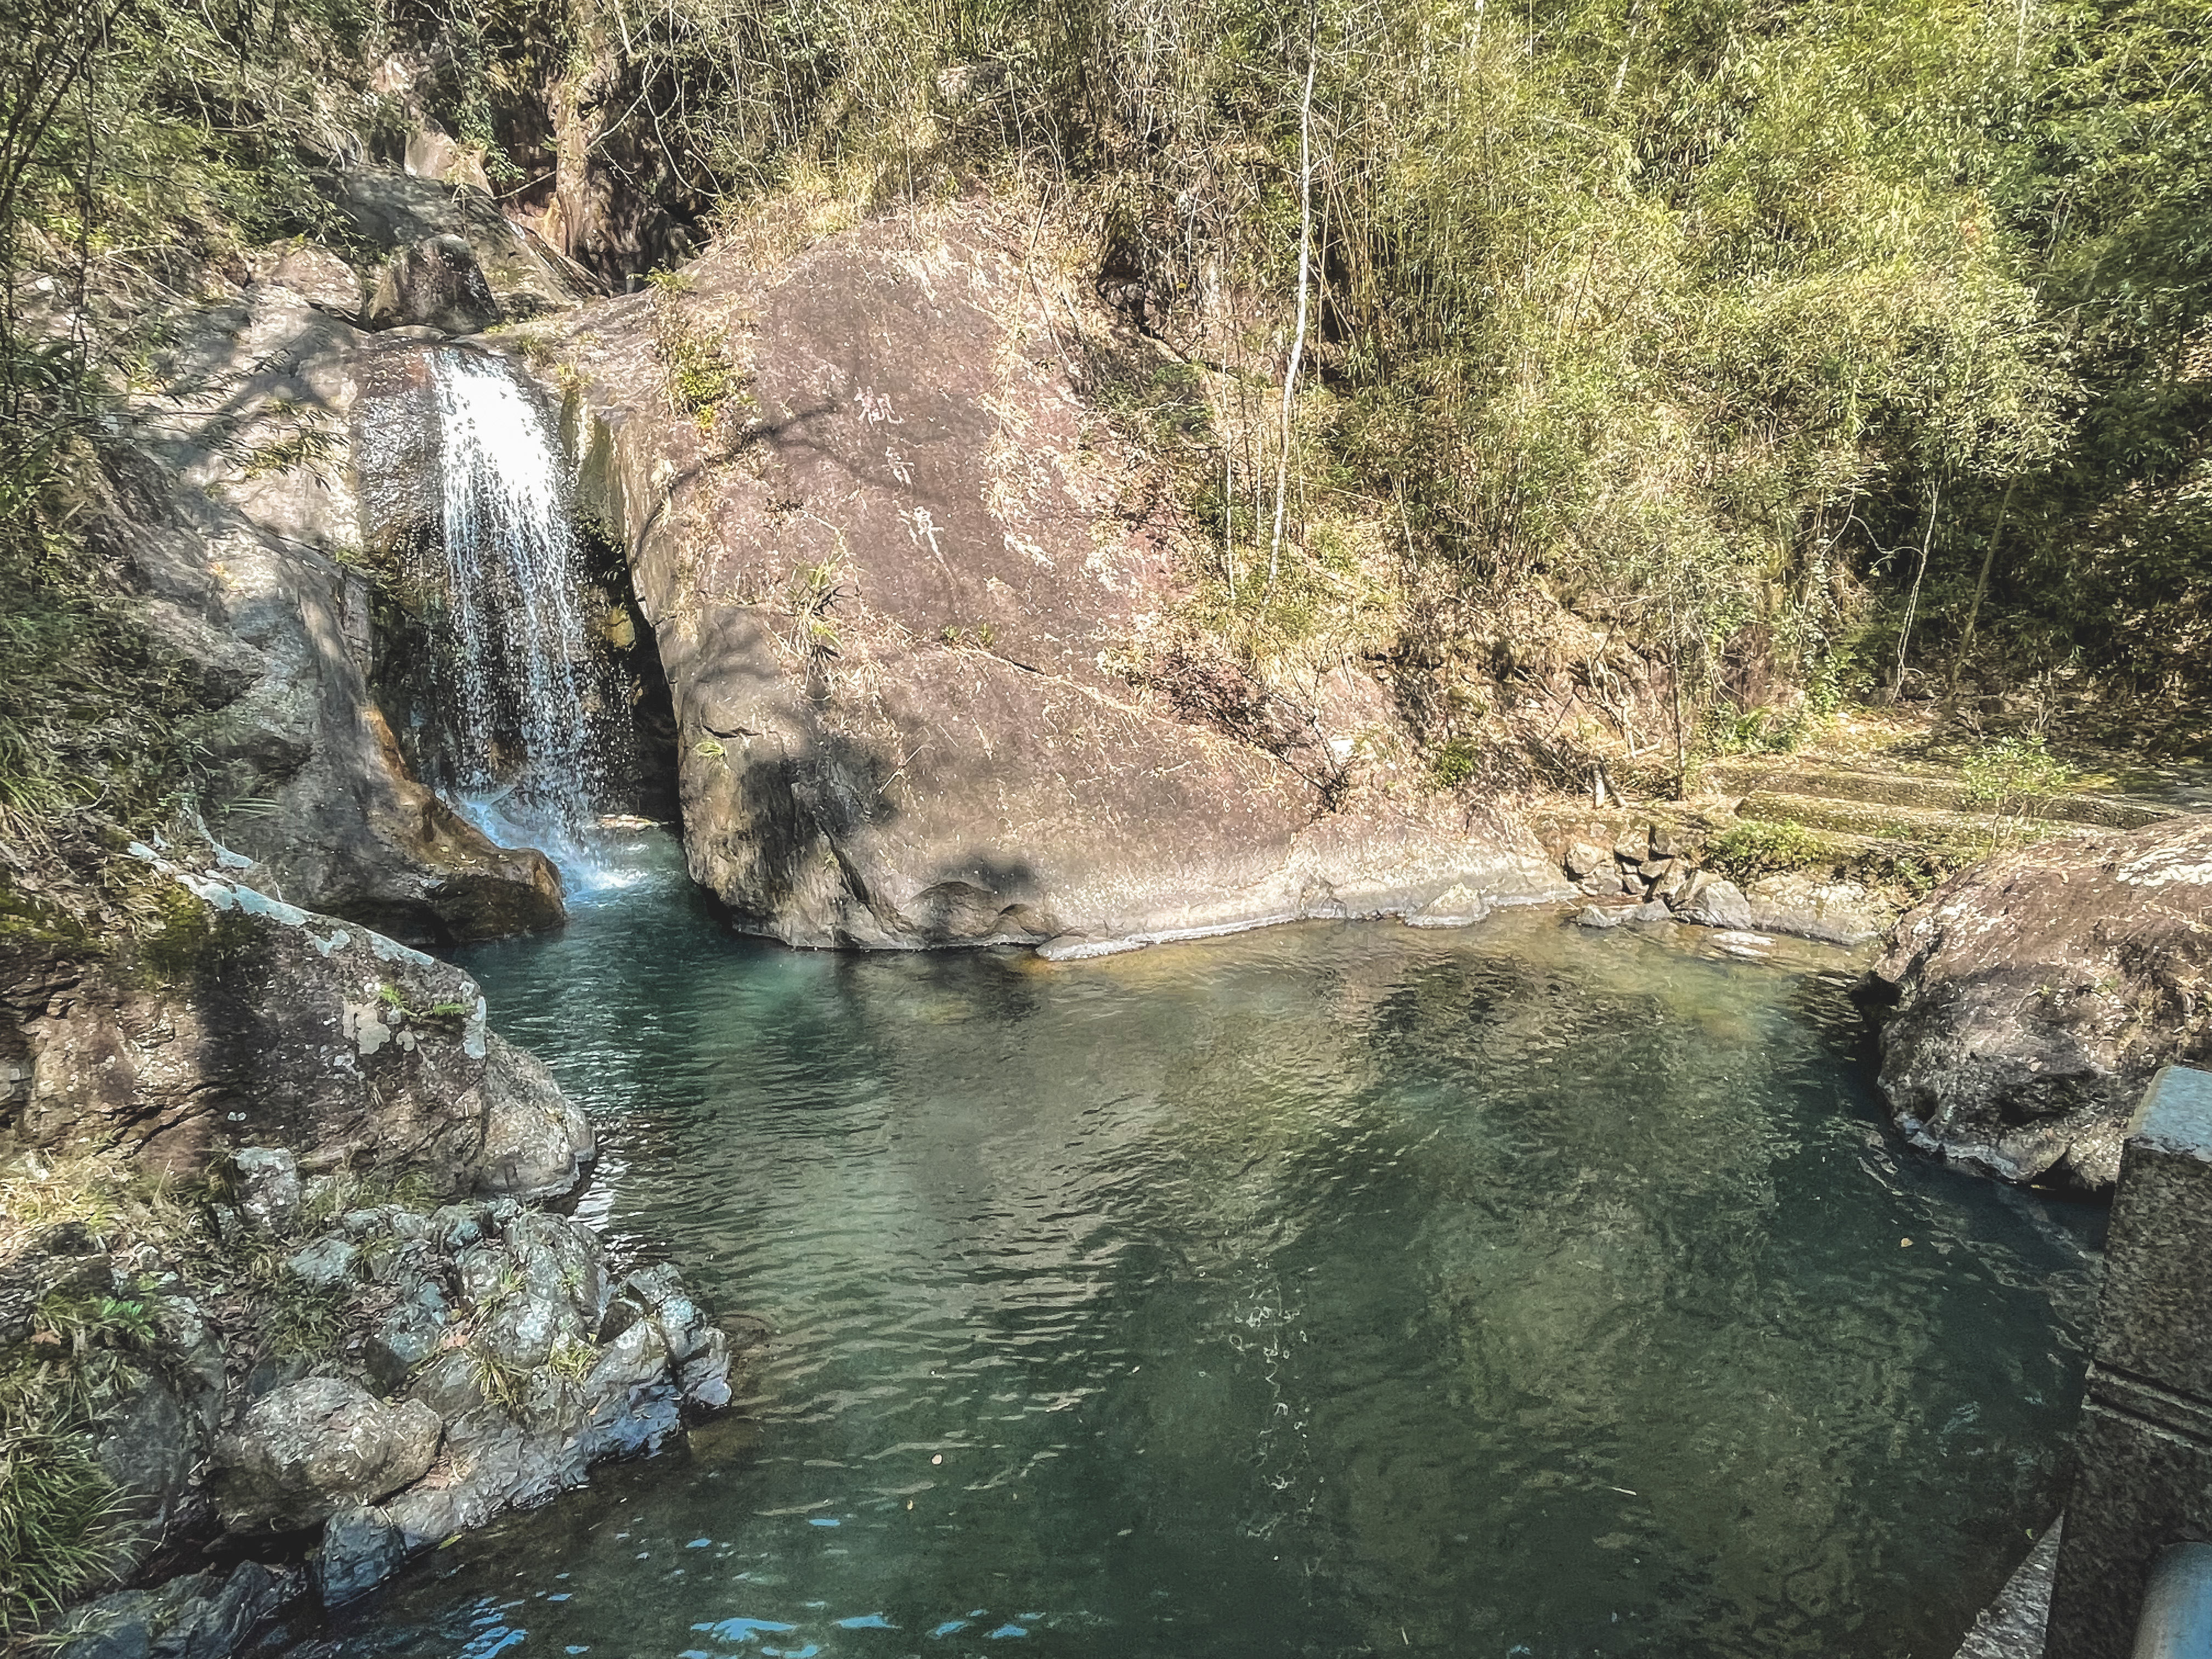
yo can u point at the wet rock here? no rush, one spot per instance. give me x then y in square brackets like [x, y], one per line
[1651, 910]
[434, 284]
[360, 1549]
[660, 1289]
[315, 1447]
[1711, 901]
[704, 1377]
[524, 276]
[268, 1186]
[281, 644]
[2038, 992]
[1591, 915]
[201, 1616]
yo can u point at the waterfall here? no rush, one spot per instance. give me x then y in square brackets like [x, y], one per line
[526, 698]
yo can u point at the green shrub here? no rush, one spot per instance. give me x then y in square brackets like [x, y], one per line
[1751, 848]
[2001, 774]
[1453, 763]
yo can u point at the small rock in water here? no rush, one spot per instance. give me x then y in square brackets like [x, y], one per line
[1591, 917]
[1713, 902]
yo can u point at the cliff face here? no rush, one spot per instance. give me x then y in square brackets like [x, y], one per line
[905, 584]
[231, 510]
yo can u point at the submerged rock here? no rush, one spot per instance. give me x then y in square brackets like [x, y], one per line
[2038, 992]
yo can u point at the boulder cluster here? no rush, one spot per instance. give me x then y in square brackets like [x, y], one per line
[298, 1299]
[1647, 875]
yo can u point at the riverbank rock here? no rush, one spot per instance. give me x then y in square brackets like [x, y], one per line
[1835, 910]
[249, 1022]
[916, 625]
[1711, 901]
[203, 1615]
[2036, 994]
[315, 1447]
[252, 1406]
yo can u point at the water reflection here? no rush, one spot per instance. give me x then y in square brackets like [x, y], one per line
[1331, 1289]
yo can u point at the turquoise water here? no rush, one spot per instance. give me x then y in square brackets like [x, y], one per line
[1336, 1289]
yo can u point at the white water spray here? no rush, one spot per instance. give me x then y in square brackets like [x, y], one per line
[524, 690]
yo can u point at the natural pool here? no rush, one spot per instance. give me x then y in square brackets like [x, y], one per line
[1330, 1290]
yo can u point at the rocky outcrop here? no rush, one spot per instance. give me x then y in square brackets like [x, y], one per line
[461, 1361]
[294, 1333]
[231, 507]
[2037, 992]
[202, 1615]
[248, 1022]
[311, 1447]
[521, 276]
[905, 596]
[434, 284]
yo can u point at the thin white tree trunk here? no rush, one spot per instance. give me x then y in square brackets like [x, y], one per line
[1912, 598]
[1305, 273]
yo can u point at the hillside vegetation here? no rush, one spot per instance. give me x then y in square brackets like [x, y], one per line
[1694, 367]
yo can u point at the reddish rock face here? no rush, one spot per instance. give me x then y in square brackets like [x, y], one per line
[2038, 993]
[896, 612]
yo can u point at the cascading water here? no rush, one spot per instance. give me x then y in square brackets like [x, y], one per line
[525, 696]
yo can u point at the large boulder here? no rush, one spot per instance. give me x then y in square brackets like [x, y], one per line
[2038, 992]
[434, 284]
[906, 603]
[522, 276]
[230, 502]
[306, 1451]
[281, 1029]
